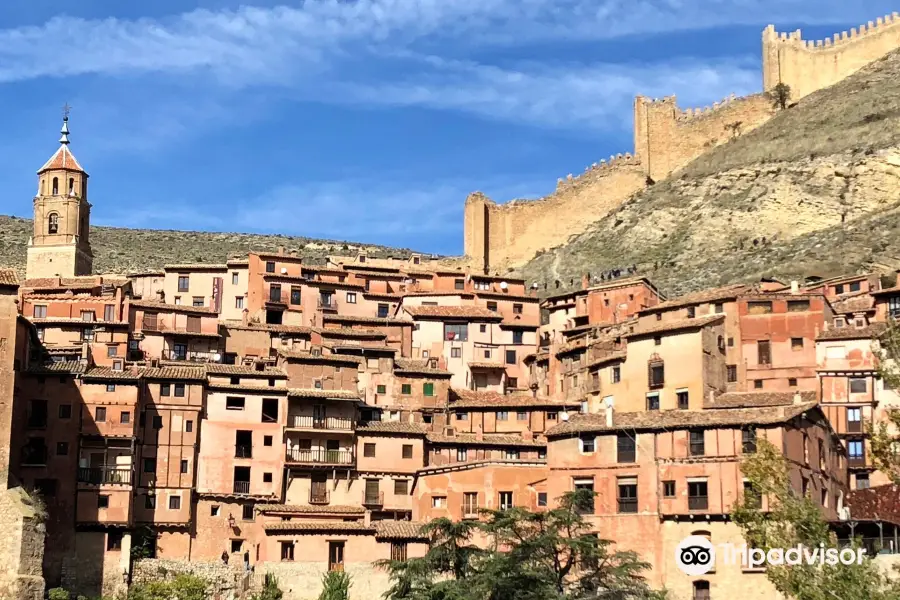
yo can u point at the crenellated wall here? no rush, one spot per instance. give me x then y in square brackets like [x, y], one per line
[666, 138]
[810, 65]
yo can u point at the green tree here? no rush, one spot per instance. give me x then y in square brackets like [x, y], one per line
[183, 587]
[787, 520]
[335, 586]
[884, 439]
[781, 95]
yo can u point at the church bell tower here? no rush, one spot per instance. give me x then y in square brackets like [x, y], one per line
[60, 245]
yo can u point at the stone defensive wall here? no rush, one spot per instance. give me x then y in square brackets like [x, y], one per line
[498, 237]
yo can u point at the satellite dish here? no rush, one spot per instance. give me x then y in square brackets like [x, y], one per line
[503, 285]
[534, 285]
[564, 416]
[284, 270]
[217, 357]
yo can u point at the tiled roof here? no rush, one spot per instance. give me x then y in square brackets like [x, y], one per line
[366, 320]
[756, 399]
[327, 394]
[680, 419]
[486, 365]
[219, 369]
[364, 347]
[257, 389]
[728, 292]
[462, 398]
[872, 330]
[9, 277]
[887, 291]
[675, 325]
[107, 373]
[859, 303]
[320, 526]
[611, 357]
[180, 373]
[622, 282]
[469, 439]
[351, 333]
[75, 321]
[399, 530]
[195, 267]
[312, 509]
[72, 367]
[62, 159]
[879, 503]
[518, 325]
[407, 366]
[162, 306]
[237, 262]
[510, 296]
[269, 327]
[307, 357]
[453, 312]
[391, 427]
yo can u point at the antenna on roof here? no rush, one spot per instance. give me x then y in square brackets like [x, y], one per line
[64, 139]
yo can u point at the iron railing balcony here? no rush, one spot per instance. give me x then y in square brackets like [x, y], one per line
[105, 475]
[698, 503]
[241, 487]
[329, 423]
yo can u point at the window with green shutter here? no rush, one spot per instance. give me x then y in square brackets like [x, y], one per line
[381, 389]
[428, 389]
[406, 389]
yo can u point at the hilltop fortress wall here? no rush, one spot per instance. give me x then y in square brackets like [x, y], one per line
[666, 138]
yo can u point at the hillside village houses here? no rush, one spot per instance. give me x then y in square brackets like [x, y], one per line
[290, 418]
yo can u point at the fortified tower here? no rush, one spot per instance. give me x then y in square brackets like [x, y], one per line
[60, 245]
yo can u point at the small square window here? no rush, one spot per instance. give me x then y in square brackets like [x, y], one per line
[247, 512]
[188, 426]
[236, 546]
[381, 389]
[102, 501]
[267, 478]
[792, 382]
[270, 266]
[110, 387]
[174, 502]
[214, 510]
[406, 389]
[401, 487]
[757, 384]
[62, 448]
[184, 466]
[149, 501]
[668, 489]
[112, 351]
[157, 422]
[542, 499]
[797, 343]
[149, 465]
[100, 414]
[267, 440]
[482, 328]
[407, 451]
[369, 450]
[65, 411]
[179, 390]
[165, 389]
[124, 417]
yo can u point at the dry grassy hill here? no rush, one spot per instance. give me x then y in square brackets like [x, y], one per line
[119, 250]
[816, 190]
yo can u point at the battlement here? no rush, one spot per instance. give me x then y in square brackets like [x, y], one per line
[603, 168]
[795, 39]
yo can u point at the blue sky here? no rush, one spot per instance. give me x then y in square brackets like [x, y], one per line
[365, 120]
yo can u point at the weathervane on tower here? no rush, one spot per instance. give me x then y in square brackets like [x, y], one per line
[64, 139]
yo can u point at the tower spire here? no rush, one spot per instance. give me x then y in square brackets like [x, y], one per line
[64, 139]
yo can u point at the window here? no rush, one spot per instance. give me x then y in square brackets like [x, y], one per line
[369, 450]
[797, 343]
[184, 466]
[862, 481]
[183, 283]
[506, 500]
[455, 352]
[124, 417]
[482, 328]
[854, 287]
[232, 403]
[236, 546]
[682, 396]
[668, 489]
[627, 495]
[381, 389]
[110, 387]
[157, 422]
[174, 502]
[247, 512]
[854, 420]
[458, 332]
[656, 374]
[439, 502]
[197, 301]
[459, 284]
[691, 312]
[351, 298]
[165, 389]
[270, 266]
[657, 341]
[517, 337]
[428, 389]
[214, 511]
[512, 382]
[383, 311]
[65, 411]
[287, 551]
[798, 305]
[697, 495]
[587, 443]
[552, 415]
[542, 499]
[759, 308]
[267, 478]
[792, 382]
[407, 451]
[426, 418]
[757, 384]
[103, 501]
[100, 414]
[401, 487]
[511, 454]
[510, 357]
[763, 353]
[462, 416]
[616, 374]
[295, 295]
[37, 414]
[40, 312]
[239, 302]
[858, 385]
[275, 292]
[748, 440]
[521, 415]
[839, 289]
[62, 448]
[149, 465]
[398, 550]
[502, 415]
[487, 353]
[587, 484]
[855, 450]
[701, 591]
[719, 307]
[653, 401]
[188, 426]
[697, 443]
[625, 448]
[235, 278]
[269, 410]
[517, 309]
[53, 219]
[179, 390]
[492, 306]
[751, 495]
[461, 455]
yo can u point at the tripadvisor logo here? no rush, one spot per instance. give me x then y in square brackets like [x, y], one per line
[696, 555]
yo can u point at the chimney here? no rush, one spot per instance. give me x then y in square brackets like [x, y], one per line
[795, 287]
[585, 281]
[245, 317]
[293, 253]
[280, 250]
[798, 398]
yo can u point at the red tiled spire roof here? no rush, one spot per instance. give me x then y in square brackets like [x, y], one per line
[62, 159]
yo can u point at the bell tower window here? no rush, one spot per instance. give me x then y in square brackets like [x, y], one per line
[56, 186]
[53, 223]
[71, 186]
[43, 186]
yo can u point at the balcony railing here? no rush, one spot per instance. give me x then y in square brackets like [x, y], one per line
[593, 385]
[311, 422]
[319, 457]
[243, 451]
[628, 505]
[104, 475]
[854, 426]
[373, 498]
[698, 503]
[241, 487]
[318, 496]
[856, 461]
[327, 304]
[192, 356]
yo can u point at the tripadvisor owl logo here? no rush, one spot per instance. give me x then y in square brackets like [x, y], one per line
[695, 555]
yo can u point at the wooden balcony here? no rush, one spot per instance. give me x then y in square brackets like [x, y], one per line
[241, 487]
[320, 457]
[855, 427]
[325, 423]
[104, 475]
[856, 462]
[698, 503]
[327, 305]
[192, 356]
[373, 499]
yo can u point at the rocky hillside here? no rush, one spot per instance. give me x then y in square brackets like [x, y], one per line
[816, 190]
[118, 250]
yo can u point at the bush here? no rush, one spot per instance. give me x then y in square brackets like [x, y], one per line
[183, 587]
[271, 591]
[59, 594]
[335, 586]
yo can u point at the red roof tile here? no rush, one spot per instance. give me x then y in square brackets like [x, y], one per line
[163, 307]
[756, 399]
[728, 292]
[391, 427]
[399, 530]
[462, 398]
[62, 159]
[671, 326]
[9, 278]
[474, 313]
[873, 330]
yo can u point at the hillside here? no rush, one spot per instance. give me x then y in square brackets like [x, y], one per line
[119, 250]
[816, 190]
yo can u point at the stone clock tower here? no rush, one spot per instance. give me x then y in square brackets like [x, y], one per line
[60, 245]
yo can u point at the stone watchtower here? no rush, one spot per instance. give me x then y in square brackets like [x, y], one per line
[60, 245]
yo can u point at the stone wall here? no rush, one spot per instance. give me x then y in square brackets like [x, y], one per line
[21, 547]
[224, 580]
[810, 65]
[303, 580]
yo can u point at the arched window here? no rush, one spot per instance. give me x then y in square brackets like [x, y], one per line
[43, 185]
[53, 222]
[71, 186]
[56, 186]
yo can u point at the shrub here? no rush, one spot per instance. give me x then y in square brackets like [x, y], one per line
[271, 591]
[335, 586]
[59, 594]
